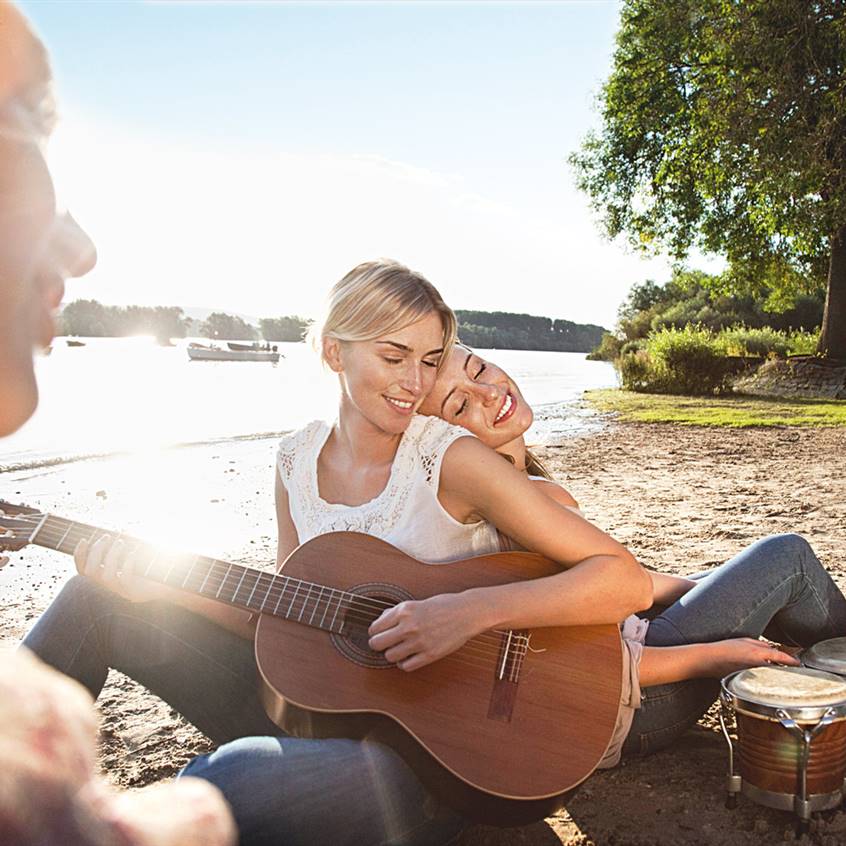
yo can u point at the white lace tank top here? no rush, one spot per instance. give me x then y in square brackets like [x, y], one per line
[406, 514]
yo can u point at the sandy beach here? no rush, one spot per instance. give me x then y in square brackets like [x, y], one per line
[683, 499]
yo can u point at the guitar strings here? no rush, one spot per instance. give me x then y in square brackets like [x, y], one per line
[360, 602]
[271, 590]
[470, 654]
[355, 603]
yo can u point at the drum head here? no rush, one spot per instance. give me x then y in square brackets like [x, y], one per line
[827, 655]
[788, 687]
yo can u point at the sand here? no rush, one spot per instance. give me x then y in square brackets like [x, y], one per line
[682, 498]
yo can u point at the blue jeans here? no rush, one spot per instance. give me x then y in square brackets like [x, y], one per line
[283, 790]
[776, 586]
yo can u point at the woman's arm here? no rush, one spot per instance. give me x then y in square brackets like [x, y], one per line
[555, 492]
[666, 589]
[288, 540]
[607, 585]
[602, 582]
[664, 664]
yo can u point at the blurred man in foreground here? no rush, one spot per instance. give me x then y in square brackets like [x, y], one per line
[49, 793]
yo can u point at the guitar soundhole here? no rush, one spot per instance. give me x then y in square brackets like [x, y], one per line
[372, 600]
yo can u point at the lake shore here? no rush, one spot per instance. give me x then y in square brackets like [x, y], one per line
[682, 498]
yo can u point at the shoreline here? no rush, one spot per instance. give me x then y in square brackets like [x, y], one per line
[681, 498]
[57, 461]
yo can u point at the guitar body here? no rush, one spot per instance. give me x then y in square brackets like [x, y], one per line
[523, 726]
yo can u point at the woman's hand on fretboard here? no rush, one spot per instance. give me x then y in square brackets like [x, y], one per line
[112, 563]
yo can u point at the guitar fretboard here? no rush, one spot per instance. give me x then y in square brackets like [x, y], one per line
[311, 604]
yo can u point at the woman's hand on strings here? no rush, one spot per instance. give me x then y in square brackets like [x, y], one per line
[112, 562]
[417, 632]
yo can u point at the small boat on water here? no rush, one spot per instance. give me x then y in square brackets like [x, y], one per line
[235, 347]
[200, 352]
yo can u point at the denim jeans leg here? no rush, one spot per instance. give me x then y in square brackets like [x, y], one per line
[666, 712]
[207, 673]
[777, 579]
[344, 792]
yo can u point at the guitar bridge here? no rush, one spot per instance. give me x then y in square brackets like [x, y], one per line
[514, 644]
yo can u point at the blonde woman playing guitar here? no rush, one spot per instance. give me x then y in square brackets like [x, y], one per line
[419, 483]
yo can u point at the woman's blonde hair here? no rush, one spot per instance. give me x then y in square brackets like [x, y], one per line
[378, 297]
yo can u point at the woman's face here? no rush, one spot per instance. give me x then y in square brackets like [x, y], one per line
[386, 380]
[38, 247]
[479, 396]
[38, 250]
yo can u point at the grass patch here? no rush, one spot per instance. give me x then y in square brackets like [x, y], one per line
[729, 411]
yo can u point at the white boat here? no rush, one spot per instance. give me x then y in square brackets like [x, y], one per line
[201, 353]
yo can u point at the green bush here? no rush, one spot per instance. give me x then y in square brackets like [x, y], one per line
[745, 341]
[637, 373]
[633, 346]
[803, 343]
[677, 361]
[607, 350]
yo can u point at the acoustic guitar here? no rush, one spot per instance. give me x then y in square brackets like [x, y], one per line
[504, 728]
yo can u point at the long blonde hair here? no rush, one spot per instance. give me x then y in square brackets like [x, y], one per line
[378, 297]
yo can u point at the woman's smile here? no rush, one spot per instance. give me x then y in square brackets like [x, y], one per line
[509, 406]
[405, 407]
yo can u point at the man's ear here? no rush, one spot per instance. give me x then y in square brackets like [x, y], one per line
[332, 353]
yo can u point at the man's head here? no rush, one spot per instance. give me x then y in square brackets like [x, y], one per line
[39, 248]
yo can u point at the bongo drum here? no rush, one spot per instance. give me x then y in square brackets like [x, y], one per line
[791, 737]
[827, 655]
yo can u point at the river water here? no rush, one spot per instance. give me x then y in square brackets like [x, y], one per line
[117, 395]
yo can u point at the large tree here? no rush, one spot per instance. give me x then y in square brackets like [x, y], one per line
[724, 128]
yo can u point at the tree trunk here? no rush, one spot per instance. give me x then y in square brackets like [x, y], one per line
[833, 334]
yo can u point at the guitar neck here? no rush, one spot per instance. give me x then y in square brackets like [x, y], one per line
[253, 590]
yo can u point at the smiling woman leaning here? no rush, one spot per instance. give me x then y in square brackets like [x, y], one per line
[702, 628]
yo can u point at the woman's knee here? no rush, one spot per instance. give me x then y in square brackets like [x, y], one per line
[789, 543]
[788, 551]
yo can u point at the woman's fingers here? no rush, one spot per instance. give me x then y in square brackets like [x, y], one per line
[386, 639]
[89, 556]
[777, 656]
[399, 653]
[113, 563]
[388, 619]
[80, 556]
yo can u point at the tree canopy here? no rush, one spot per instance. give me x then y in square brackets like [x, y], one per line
[694, 298]
[724, 129]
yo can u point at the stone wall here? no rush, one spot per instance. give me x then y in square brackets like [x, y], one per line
[797, 377]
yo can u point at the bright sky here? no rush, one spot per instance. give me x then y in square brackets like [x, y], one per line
[243, 156]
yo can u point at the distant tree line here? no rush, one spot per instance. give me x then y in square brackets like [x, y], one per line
[93, 319]
[283, 328]
[506, 331]
[483, 329]
[90, 318]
